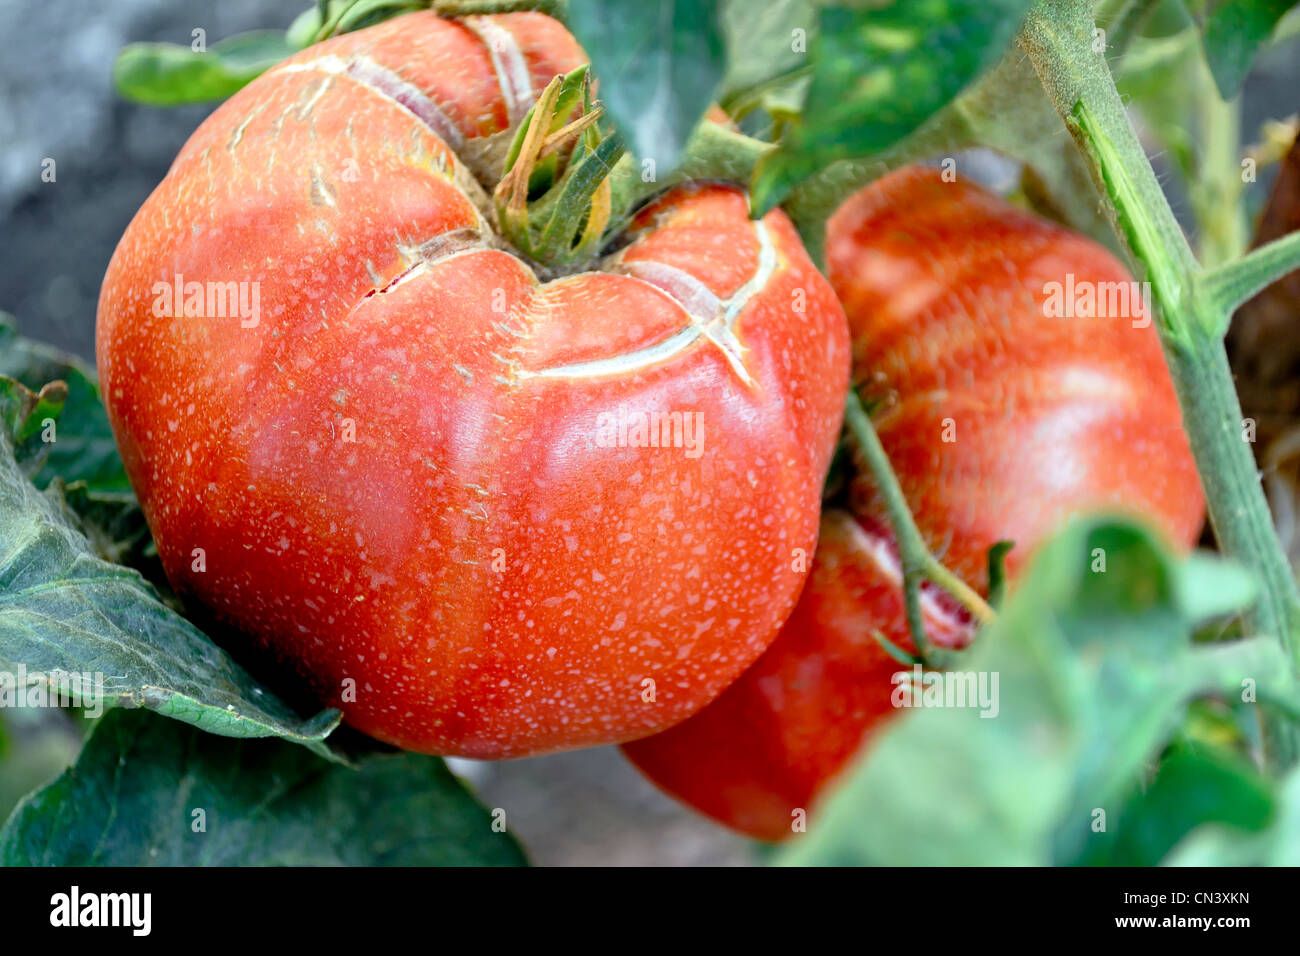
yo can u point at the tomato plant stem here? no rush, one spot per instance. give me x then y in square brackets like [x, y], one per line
[1233, 283]
[1058, 37]
[1217, 185]
[958, 588]
[918, 563]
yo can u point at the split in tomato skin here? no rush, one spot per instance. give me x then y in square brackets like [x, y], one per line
[1001, 417]
[395, 472]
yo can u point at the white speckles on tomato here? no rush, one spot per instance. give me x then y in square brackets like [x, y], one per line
[373, 558]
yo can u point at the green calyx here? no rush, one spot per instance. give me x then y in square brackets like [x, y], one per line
[555, 199]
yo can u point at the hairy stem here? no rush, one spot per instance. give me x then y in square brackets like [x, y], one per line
[1231, 284]
[918, 563]
[1217, 187]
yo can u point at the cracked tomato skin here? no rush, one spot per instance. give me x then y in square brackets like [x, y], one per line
[416, 471]
[945, 288]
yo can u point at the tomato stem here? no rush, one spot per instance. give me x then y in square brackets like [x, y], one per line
[602, 186]
[571, 161]
[1232, 283]
[1058, 38]
[894, 651]
[954, 585]
[918, 563]
[1217, 184]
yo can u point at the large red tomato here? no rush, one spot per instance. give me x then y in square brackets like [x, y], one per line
[1005, 405]
[485, 514]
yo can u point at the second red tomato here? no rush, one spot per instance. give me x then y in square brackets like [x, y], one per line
[1015, 380]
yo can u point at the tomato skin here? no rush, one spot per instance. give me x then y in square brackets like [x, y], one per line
[763, 749]
[492, 577]
[943, 285]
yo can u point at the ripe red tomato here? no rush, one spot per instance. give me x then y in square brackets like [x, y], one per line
[485, 514]
[1001, 419]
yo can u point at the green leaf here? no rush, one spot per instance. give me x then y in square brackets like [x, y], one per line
[83, 449]
[1221, 843]
[1193, 786]
[1213, 588]
[35, 747]
[62, 608]
[1093, 667]
[26, 416]
[767, 53]
[167, 74]
[114, 525]
[357, 14]
[1233, 35]
[879, 71]
[1006, 110]
[302, 31]
[150, 792]
[997, 558]
[82, 462]
[657, 66]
